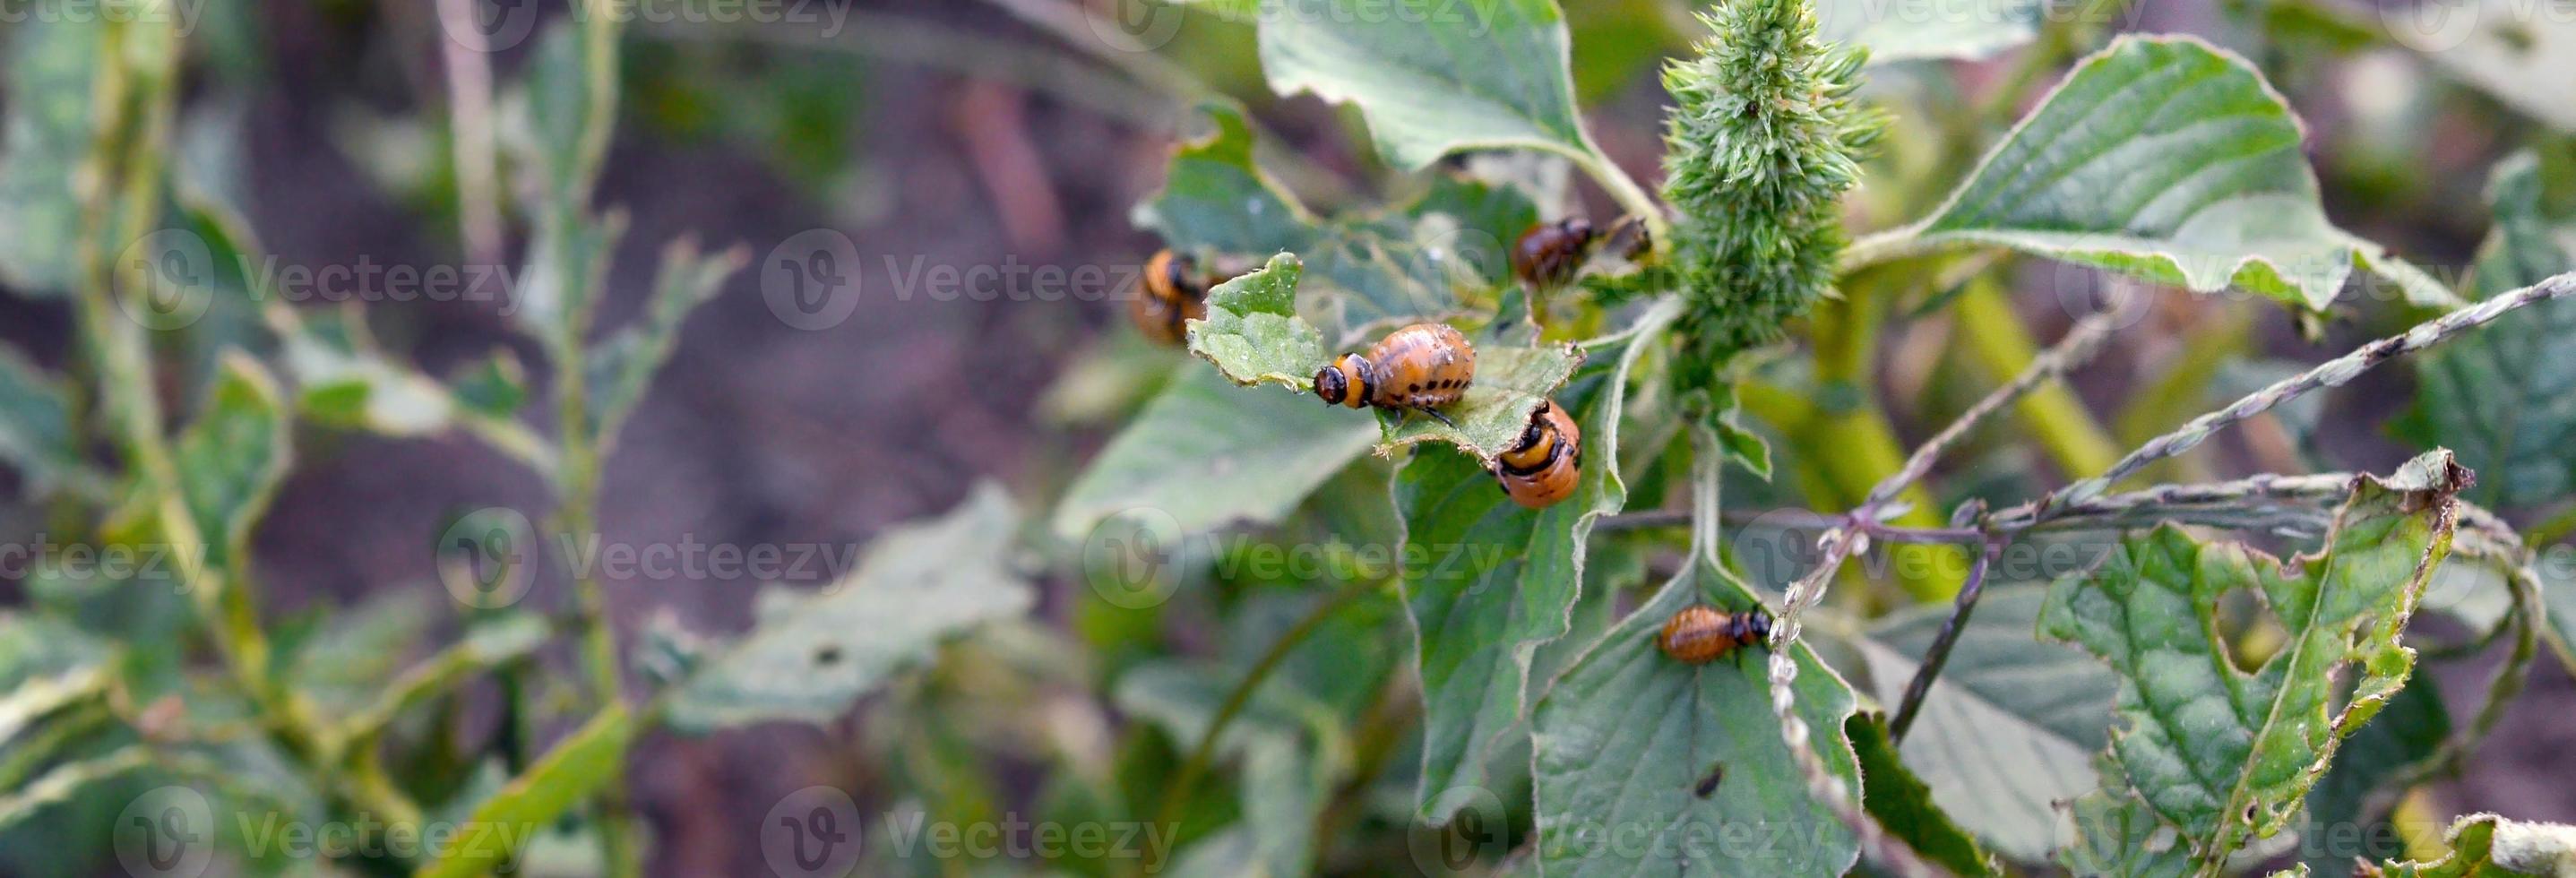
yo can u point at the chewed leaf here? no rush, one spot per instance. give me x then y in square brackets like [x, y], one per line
[2224, 755]
[1252, 332]
[2171, 160]
[1363, 271]
[809, 655]
[1215, 198]
[1510, 384]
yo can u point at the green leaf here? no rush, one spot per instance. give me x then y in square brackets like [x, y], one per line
[1903, 805]
[1207, 454]
[31, 700]
[2488, 846]
[52, 61]
[2344, 821]
[1252, 332]
[1510, 384]
[1626, 737]
[2167, 159]
[36, 430]
[231, 458]
[1363, 271]
[345, 380]
[2504, 398]
[503, 824]
[810, 654]
[1907, 31]
[622, 365]
[1214, 196]
[1429, 76]
[347, 658]
[1487, 582]
[2117, 835]
[2004, 698]
[558, 134]
[2221, 754]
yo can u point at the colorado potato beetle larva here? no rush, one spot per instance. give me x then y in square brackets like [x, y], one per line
[1549, 253]
[1172, 296]
[1543, 467]
[1700, 634]
[1421, 367]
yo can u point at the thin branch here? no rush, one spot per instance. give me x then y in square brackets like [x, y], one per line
[1205, 750]
[469, 127]
[2332, 373]
[1938, 654]
[2078, 347]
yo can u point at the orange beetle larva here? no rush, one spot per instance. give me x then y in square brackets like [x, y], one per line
[1423, 366]
[1700, 634]
[1173, 295]
[1549, 254]
[1543, 467]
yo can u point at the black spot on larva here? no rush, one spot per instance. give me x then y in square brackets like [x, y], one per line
[1415, 387]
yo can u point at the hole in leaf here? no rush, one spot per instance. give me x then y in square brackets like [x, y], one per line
[827, 655]
[1707, 785]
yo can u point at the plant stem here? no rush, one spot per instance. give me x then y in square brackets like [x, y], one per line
[1623, 189]
[1167, 813]
[1939, 652]
[2032, 379]
[2061, 422]
[2332, 373]
[1857, 446]
[578, 513]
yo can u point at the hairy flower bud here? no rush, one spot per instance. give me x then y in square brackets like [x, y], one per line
[1762, 141]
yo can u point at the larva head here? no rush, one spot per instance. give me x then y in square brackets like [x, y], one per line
[1536, 442]
[1345, 382]
[1756, 626]
[1168, 277]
